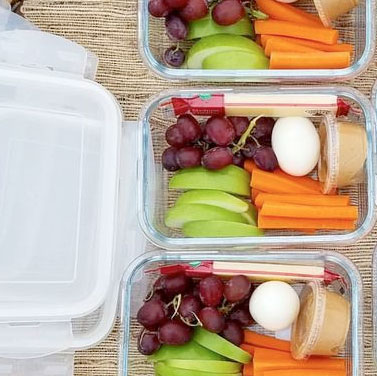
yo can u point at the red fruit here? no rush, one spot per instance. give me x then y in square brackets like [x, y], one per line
[228, 12]
[240, 124]
[242, 316]
[148, 343]
[189, 307]
[212, 319]
[174, 332]
[189, 156]
[176, 4]
[220, 130]
[211, 291]
[189, 127]
[176, 284]
[175, 137]
[217, 158]
[151, 314]
[158, 8]
[233, 332]
[237, 289]
[169, 159]
[194, 10]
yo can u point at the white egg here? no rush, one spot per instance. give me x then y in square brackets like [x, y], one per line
[274, 305]
[286, 1]
[296, 144]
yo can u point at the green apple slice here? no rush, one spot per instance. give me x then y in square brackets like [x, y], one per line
[177, 216]
[219, 229]
[211, 366]
[236, 60]
[214, 44]
[165, 370]
[206, 26]
[251, 215]
[220, 345]
[216, 198]
[189, 351]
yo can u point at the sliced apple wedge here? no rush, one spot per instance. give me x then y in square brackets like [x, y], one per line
[251, 214]
[211, 366]
[162, 369]
[216, 198]
[220, 345]
[219, 229]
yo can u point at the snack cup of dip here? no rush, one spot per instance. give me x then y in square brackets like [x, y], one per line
[330, 10]
[322, 325]
[343, 153]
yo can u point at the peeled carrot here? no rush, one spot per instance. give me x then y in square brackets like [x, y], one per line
[309, 60]
[248, 348]
[290, 29]
[305, 372]
[301, 199]
[266, 359]
[285, 46]
[288, 210]
[287, 12]
[249, 165]
[261, 340]
[248, 369]
[342, 47]
[277, 223]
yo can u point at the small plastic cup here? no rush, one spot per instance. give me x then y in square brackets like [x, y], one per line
[322, 325]
[330, 10]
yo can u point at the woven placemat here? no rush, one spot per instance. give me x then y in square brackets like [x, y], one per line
[108, 28]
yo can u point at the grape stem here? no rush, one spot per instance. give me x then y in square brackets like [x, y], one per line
[176, 304]
[242, 141]
[188, 323]
[256, 14]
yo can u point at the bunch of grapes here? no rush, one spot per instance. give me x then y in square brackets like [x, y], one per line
[178, 303]
[178, 13]
[210, 145]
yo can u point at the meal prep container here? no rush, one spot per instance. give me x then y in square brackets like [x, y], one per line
[154, 197]
[136, 285]
[356, 27]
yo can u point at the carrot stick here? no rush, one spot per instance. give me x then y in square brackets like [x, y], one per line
[261, 340]
[305, 372]
[266, 359]
[287, 12]
[285, 46]
[280, 182]
[248, 369]
[342, 47]
[290, 29]
[288, 210]
[309, 60]
[300, 199]
[248, 348]
[249, 165]
[276, 223]
[254, 194]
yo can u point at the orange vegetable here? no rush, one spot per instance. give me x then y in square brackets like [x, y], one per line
[248, 369]
[261, 340]
[266, 359]
[309, 60]
[305, 372]
[276, 223]
[287, 12]
[288, 210]
[254, 194]
[285, 46]
[248, 348]
[280, 182]
[302, 199]
[342, 47]
[249, 165]
[290, 29]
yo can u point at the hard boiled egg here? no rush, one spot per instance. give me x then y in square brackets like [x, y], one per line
[296, 144]
[274, 305]
[286, 1]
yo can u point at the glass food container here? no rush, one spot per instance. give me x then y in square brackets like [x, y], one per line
[155, 197]
[137, 284]
[356, 27]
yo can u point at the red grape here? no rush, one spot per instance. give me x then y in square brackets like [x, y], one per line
[169, 159]
[217, 158]
[250, 148]
[242, 315]
[176, 284]
[228, 12]
[240, 124]
[212, 319]
[158, 8]
[189, 156]
[263, 129]
[176, 4]
[189, 306]
[148, 343]
[175, 137]
[174, 332]
[176, 27]
[265, 159]
[174, 57]
[189, 127]
[220, 130]
[233, 332]
[237, 289]
[211, 291]
[152, 314]
[238, 159]
[194, 10]
[157, 295]
[196, 290]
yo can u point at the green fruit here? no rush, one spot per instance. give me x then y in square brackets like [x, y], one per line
[211, 366]
[189, 351]
[251, 215]
[235, 60]
[227, 179]
[163, 369]
[216, 198]
[177, 216]
[219, 229]
[214, 44]
[206, 27]
[220, 345]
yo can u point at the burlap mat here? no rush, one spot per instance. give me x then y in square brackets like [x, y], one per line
[108, 28]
